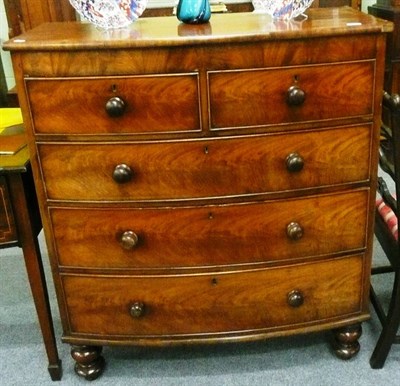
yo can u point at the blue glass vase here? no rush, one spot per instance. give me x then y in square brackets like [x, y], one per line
[193, 11]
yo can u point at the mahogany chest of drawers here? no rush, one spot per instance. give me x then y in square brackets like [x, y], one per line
[207, 183]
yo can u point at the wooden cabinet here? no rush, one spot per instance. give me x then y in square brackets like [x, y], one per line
[23, 15]
[8, 229]
[206, 183]
[392, 76]
[356, 4]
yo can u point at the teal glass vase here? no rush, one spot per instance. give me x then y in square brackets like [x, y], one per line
[193, 11]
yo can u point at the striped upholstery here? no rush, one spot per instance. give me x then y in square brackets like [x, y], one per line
[388, 216]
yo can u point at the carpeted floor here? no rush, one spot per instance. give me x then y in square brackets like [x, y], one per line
[299, 360]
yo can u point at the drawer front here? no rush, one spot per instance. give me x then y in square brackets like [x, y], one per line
[8, 229]
[213, 303]
[261, 96]
[210, 236]
[205, 168]
[79, 106]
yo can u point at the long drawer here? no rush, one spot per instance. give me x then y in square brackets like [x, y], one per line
[242, 98]
[205, 168]
[211, 235]
[104, 105]
[213, 303]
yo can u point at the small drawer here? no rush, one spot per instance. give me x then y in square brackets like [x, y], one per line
[252, 301]
[250, 98]
[92, 106]
[240, 166]
[8, 229]
[212, 235]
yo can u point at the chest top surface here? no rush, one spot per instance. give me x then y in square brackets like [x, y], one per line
[167, 31]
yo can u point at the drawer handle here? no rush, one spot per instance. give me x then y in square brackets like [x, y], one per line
[295, 298]
[294, 162]
[122, 173]
[294, 231]
[137, 310]
[295, 96]
[129, 240]
[115, 107]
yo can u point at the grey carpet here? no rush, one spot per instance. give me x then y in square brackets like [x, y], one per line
[299, 360]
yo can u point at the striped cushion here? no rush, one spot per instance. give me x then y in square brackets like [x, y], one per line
[388, 216]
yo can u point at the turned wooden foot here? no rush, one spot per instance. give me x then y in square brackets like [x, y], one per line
[89, 362]
[345, 342]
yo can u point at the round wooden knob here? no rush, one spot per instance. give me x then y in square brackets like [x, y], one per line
[137, 309]
[294, 162]
[122, 173]
[115, 107]
[129, 240]
[295, 298]
[295, 96]
[294, 231]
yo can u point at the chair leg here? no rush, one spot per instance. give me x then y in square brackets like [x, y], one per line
[390, 328]
[380, 312]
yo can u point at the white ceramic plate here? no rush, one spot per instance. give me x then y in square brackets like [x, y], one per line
[281, 9]
[110, 13]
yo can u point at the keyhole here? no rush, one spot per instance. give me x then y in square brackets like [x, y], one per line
[214, 281]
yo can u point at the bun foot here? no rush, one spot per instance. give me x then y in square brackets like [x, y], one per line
[345, 342]
[89, 363]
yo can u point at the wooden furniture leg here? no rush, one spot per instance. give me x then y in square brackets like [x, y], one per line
[389, 332]
[89, 363]
[30, 246]
[346, 344]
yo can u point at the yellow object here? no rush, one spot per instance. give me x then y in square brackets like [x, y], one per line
[9, 117]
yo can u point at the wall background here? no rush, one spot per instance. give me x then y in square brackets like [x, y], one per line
[5, 56]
